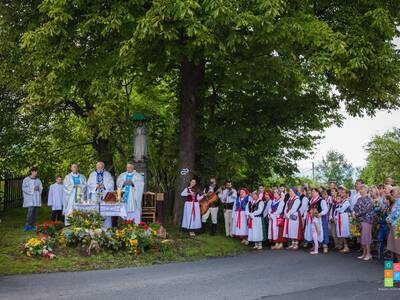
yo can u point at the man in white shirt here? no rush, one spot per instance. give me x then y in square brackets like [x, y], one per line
[355, 194]
[32, 190]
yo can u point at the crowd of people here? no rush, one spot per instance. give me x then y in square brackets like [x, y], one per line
[290, 218]
[280, 217]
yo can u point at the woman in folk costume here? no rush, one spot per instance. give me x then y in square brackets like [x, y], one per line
[240, 211]
[74, 190]
[342, 214]
[255, 220]
[276, 221]
[293, 229]
[334, 198]
[132, 184]
[191, 213]
[314, 231]
[325, 220]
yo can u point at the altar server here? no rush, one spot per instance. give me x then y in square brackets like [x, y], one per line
[240, 211]
[314, 230]
[74, 190]
[191, 212]
[276, 221]
[132, 185]
[228, 197]
[32, 190]
[255, 221]
[293, 228]
[100, 183]
[56, 199]
[342, 219]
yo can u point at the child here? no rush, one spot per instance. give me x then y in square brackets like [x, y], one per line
[276, 221]
[56, 199]
[255, 221]
[342, 219]
[32, 190]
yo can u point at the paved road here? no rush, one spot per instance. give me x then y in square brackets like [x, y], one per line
[256, 275]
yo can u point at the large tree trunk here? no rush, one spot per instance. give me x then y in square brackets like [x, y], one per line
[104, 153]
[192, 78]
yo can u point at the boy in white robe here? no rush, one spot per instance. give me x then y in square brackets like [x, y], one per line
[32, 190]
[56, 199]
[100, 183]
[132, 185]
[74, 190]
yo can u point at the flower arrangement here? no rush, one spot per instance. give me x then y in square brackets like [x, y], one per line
[49, 227]
[89, 220]
[355, 227]
[86, 231]
[42, 247]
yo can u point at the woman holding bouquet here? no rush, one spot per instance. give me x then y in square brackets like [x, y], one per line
[314, 230]
[276, 221]
[364, 213]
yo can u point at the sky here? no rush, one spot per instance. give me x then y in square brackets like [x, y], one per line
[352, 137]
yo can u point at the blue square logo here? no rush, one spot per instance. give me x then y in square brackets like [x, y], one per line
[396, 276]
[388, 264]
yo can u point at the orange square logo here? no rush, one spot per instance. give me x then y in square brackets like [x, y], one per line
[388, 273]
[396, 267]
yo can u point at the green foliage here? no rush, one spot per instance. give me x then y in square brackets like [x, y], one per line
[275, 74]
[383, 158]
[334, 167]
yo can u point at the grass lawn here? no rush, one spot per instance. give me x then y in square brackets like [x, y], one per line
[12, 261]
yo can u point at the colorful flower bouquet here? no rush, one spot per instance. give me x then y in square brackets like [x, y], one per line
[354, 227]
[42, 247]
[87, 231]
[49, 228]
[89, 220]
[397, 229]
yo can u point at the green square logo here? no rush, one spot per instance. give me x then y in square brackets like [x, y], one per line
[388, 264]
[388, 282]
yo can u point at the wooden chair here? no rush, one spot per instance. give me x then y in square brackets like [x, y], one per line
[149, 207]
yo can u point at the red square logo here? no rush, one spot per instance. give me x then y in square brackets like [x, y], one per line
[396, 267]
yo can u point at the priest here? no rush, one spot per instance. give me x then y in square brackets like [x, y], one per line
[132, 185]
[74, 190]
[100, 182]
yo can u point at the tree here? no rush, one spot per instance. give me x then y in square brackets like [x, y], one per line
[383, 158]
[334, 167]
[252, 80]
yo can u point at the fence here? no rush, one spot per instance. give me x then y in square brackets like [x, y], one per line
[10, 193]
